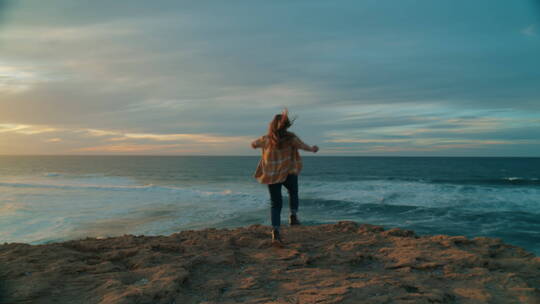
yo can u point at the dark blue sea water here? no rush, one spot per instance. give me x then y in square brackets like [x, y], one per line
[53, 198]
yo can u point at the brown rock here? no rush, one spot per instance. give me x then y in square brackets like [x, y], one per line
[334, 263]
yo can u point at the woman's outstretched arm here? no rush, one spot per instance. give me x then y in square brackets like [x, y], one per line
[299, 144]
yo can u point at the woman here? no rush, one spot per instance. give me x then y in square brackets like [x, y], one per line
[280, 165]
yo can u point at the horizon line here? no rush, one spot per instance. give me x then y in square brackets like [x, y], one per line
[192, 155]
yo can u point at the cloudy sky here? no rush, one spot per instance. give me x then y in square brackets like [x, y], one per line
[364, 77]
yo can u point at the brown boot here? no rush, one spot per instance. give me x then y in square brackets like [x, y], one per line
[293, 220]
[276, 238]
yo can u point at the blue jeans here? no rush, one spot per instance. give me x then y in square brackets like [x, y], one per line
[291, 183]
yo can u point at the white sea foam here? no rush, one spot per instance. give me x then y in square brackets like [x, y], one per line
[108, 184]
[36, 209]
[427, 194]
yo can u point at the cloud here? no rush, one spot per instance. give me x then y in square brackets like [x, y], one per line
[16, 79]
[126, 148]
[98, 141]
[434, 145]
[212, 73]
[435, 130]
[25, 129]
[374, 140]
[183, 137]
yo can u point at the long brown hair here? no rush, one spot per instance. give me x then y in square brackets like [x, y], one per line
[277, 130]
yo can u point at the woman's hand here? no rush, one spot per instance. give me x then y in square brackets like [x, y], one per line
[314, 149]
[257, 143]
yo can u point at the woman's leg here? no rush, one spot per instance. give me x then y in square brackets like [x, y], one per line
[291, 183]
[276, 203]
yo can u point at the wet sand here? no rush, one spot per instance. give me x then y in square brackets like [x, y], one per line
[344, 262]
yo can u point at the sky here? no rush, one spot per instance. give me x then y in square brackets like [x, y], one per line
[363, 77]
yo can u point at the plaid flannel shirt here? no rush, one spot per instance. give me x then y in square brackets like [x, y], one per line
[276, 164]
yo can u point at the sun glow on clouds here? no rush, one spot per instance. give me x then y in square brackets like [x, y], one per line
[15, 79]
[185, 137]
[98, 140]
[183, 143]
[127, 148]
[25, 129]
[201, 138]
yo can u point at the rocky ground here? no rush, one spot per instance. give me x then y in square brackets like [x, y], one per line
[334, 263]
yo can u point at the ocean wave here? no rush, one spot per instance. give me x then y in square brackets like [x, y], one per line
[503, 181]
[494, 181]
[425, 194]
[139, 188]
[71, 175]
[75, 186]
[382, 191]
[515, 179]
[52, 174]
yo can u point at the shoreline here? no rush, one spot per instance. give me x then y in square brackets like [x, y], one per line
[345, 262]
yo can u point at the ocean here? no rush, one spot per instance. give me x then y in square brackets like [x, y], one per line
[54, 198]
